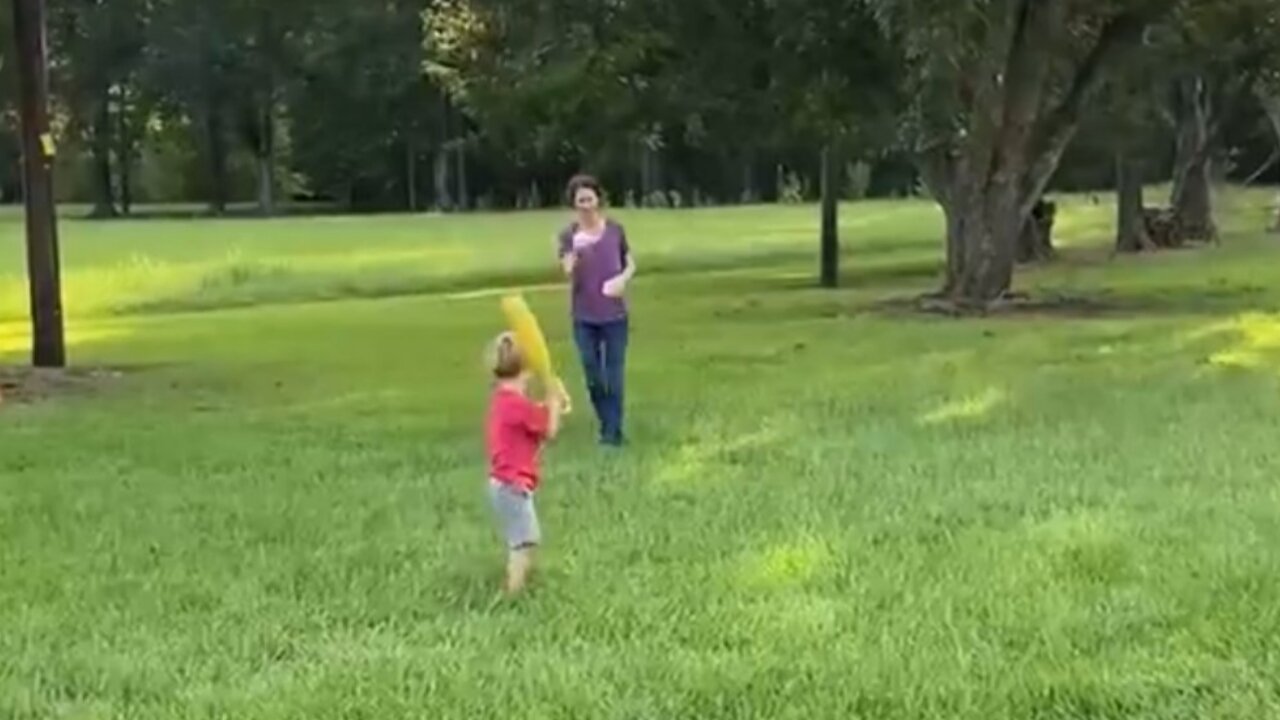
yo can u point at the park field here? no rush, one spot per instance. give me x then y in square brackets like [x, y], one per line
[267, 499]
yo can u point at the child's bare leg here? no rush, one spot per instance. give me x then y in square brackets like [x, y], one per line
[519, 563]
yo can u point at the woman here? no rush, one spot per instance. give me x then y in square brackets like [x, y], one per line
[596, 258]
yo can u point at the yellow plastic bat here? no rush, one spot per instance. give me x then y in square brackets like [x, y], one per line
[529, 338]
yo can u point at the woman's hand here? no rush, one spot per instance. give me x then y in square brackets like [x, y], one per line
[615, 287]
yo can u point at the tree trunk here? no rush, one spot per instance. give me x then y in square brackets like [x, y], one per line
[1035, 242]
[830, 264]
[266, 185]
[1271, 103]
[411, 173]
[991, 179]
[266, 158]
[216, 157]
[647, 173]
[988, 243]
[124, 152]
[984, 219]
[463, 196]
[444, 200]
[1131, 228]
[104, 201]
[955, 255]
[126, 185]
[750, 193]
[48, 346]
[1192, 198]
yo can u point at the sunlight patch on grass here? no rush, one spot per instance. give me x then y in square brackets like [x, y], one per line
[1257, 344]
[694, 463]
[786, 565]
[974, 407]
[15, 338]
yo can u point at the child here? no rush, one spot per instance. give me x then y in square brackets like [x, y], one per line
[516, 429]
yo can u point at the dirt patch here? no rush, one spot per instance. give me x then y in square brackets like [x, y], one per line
[24, 385]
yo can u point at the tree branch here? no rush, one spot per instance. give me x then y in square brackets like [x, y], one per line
[1058, 125]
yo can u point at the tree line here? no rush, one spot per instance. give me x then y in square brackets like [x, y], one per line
[983, 105]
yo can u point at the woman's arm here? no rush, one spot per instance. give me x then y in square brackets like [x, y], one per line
[565, 251]
[616, 286]
[629, 271]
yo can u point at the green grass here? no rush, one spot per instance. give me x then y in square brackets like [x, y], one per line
[827, 511]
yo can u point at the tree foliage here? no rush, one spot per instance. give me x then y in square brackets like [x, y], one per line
[464, 103]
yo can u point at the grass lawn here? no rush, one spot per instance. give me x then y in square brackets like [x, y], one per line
[827, 510]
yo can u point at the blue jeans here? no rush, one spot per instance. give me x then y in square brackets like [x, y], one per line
[603, 348]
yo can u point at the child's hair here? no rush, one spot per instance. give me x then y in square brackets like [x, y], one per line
[504, 359]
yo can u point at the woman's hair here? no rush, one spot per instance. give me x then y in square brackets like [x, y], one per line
[583, 182]
[503, 357]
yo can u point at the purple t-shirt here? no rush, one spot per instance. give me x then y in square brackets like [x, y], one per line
[598, 261]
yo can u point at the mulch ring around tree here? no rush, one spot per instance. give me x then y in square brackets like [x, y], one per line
[27, 386]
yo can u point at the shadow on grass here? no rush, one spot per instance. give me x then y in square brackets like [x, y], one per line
[237, 286]
[1172, 301]
[237, 211]
[854, 277]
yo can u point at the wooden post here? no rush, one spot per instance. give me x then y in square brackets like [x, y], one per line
[48, 344]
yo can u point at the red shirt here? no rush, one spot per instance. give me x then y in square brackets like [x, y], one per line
[514, 430]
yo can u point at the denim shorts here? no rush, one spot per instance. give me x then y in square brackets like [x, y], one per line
[517, 518]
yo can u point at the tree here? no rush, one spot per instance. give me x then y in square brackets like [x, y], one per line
[1216, 63]
[48, 343]
[1217, 53]
[10, 183]
[836, 84]
[556, 84]
[100, 43]
[361, 109]
[1127, 115]
[1269, 97]
[193, 56]
[1000, 87]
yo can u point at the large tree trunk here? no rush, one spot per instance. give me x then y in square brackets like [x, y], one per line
[1192, 197]
[992, 224]
[1131, 228]
[104, 201]
[991, 176]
